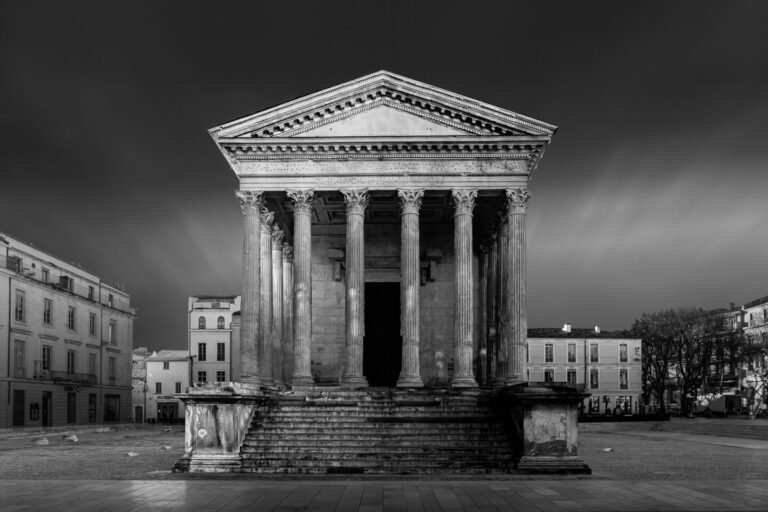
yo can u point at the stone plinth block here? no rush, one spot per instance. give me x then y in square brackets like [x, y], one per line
[216, 423]
[544, 421]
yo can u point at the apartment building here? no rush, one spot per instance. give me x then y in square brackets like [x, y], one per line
[167, 375]
[67, 337]
[211, 337]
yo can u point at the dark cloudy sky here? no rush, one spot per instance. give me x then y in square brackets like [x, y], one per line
[652, 195]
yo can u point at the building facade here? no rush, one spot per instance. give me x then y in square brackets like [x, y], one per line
[607, 367]
[68, 337]
[139, 384]
[210, 337]
[167, 375]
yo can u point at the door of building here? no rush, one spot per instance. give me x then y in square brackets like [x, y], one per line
[71, 407]
[382, 345]
[18, 407]
[47, 408]
[167, 412]
[138, 414]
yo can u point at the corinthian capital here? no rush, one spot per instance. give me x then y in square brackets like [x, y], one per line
[517, 200]
[287, 252]
[356, 200]
[410, 200]
[250, 202]
[303, 200]
[463, 200]
[267, 218]
[277, 239]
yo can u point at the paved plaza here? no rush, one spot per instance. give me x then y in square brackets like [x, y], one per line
[640, 466]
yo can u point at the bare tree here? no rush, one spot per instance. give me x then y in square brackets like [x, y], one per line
[656, 355]
[754, 360]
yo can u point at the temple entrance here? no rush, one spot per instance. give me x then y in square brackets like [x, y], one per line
[382, 345]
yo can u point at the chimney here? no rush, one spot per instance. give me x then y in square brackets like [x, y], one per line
[597, 329]
[731, 306]
[567, 328]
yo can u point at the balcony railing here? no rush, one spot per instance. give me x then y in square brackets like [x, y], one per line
[60, 377]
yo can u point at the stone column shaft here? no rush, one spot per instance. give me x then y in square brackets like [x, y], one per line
[504, 315]
[250, 203]
[302, 245]
[265, 303]
[464, 201]
[492, 294]
[357, 201]
[287, 310]
[277, 306]
[410, 284]
[517, 207]
[483, 317]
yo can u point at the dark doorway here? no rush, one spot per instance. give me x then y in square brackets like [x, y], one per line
[18, 407]
[47, 405]
[382, 345]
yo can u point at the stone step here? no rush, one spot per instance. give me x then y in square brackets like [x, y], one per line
[329, 433]
[380, 464]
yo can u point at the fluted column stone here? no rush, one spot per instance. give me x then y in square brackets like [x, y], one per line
[277, 306]
[517, 202]
[356, 201]
[287, 310]
[265, 303]
[464, 201]
[410, 283]
[504, 316]
[251, 204]
[303, 201]
[482, 359]
[492, 295]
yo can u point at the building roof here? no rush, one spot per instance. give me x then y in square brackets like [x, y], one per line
[169, 355]
[756, 302]
[557, 332]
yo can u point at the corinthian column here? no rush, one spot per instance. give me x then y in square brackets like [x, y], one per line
[357, 201]
[410, 282]
[482, 313]
[504, 314]
[265, 310]
[287, 310]
[303, 200]
[517, 203]
[277, 306]
[250, 203]
[464, 201]
[491, 304]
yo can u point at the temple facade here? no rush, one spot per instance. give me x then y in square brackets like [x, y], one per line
[384, 237]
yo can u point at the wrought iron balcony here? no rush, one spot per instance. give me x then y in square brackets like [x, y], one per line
[59, 377]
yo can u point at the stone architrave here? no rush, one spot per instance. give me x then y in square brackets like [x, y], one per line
[410, 284]
[503, 304]
[287, 310]
[303, 201]
[251, 204]
[464, 202]
[517, 204]
[356, 201]
[265, 309]
[277, 306]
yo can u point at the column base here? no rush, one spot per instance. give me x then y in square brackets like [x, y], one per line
[252, 381]
[409, 381]
[463, 382]
[514, 381]
[354, 382]
[302, 381]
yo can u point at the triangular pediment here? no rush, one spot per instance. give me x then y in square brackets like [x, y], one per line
[382, 120]
[383, 104]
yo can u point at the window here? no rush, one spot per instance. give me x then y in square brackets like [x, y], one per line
[201, 322]
[46, 275]
[111, 300]
[623, 353]
[221, 376]
[637, 351]
[549, 375]
[548, 354]
[47, 311]
[201, 352]
[71, 316]
[19, 359]
[202, 377]
[92, 324]
[91, 292]
[112, 333]
[593, 353]
[70, 361]
[571, 377]
[19, 307]
[92, 364]
[112, 368]
[220, 351]
[571, 352]
[220, 323]
[166, 365]
[92, 408]
[594, 380]
[111, 407]
[46, 363]
[178, 387]
[765, 315]
[158, 388]
[623, 379]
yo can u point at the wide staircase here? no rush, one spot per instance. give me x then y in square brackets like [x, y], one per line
[379, 431]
